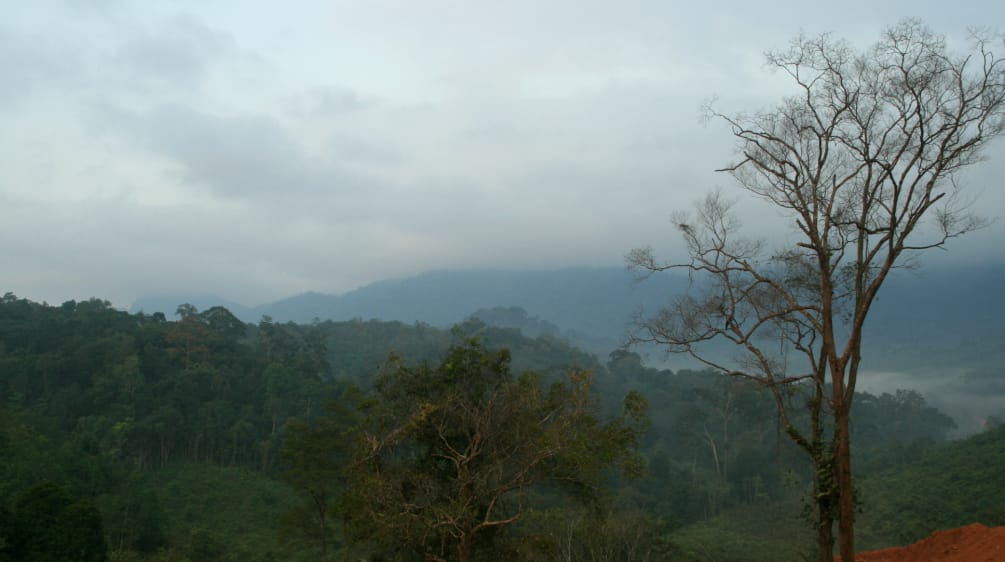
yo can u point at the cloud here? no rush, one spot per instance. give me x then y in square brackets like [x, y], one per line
[223, 147]
[325, 102]
[95, 7]
[176, 53]
[31, 65]
[244, 157]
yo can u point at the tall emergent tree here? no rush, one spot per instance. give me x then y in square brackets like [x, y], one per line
[864, 159]
[453, 455]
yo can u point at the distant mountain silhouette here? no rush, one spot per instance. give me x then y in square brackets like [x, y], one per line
[593, 306]
[940, 305]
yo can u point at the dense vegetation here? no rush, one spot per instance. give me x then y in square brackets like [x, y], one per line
[134, 437]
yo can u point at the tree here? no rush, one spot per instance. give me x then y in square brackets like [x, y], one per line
[450, 454]
[188, 337]
[49, 526]
[864, 159]
[317, 459]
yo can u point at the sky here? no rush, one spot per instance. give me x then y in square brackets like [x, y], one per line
[257, 150]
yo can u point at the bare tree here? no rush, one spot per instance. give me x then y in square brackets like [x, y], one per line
[864, 159]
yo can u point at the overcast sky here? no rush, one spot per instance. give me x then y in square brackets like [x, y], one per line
[256, 150]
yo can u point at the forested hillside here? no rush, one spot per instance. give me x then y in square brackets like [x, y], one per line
[139, 437]
[935, 330]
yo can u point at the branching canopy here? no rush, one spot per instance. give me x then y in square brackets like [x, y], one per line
[864, 159]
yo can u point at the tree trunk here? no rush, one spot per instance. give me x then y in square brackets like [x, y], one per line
[464, 547]
[846, 492]
[823, 487]
[322, 506]
[825, 539]
[825, 515]
[715, 454]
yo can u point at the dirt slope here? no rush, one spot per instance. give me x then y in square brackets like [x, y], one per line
[973, 543]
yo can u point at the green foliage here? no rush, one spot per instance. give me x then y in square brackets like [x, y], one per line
[766, 531]
[902, 417]
[450, 453]
[704, 541]
[47, 525]
[943, 487]
[589, 533]
[201, 510]
[183, 458]
[317, 458]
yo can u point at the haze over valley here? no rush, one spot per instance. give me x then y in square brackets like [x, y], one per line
[449, 281]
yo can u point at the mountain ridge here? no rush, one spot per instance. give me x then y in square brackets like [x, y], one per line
[933, 307]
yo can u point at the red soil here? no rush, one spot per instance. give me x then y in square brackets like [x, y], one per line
[973, 543]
